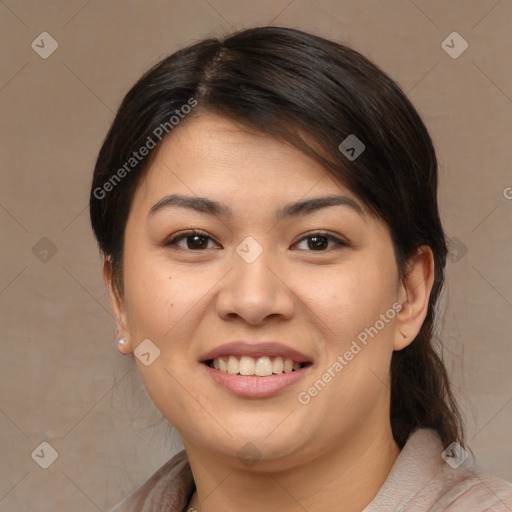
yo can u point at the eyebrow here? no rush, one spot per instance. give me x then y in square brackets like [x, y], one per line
[211, 207]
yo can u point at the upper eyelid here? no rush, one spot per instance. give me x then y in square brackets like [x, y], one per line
[336, 238]
[189, 232]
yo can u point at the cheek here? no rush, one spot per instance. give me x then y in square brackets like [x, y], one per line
[167, 304]
[349, 298]
[164, 304]
[353, 369]
[158, 296]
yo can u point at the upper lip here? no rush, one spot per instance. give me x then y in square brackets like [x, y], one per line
[255, 349]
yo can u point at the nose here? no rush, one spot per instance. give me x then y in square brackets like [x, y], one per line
[254, 292]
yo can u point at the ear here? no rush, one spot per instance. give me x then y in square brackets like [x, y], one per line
[117, 307]
[414, 296]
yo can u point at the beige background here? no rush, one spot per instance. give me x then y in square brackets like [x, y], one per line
[61, 378]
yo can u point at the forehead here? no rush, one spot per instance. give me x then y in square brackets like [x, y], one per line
[212, 154]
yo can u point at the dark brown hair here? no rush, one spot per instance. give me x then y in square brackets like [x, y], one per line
[313, 93]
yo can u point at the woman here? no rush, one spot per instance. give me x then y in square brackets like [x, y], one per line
[266, 207]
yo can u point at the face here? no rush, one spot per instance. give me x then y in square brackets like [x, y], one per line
[240, 248]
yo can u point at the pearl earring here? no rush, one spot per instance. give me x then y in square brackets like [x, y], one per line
[121, 341]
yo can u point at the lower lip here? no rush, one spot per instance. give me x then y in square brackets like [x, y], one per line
[256, 387]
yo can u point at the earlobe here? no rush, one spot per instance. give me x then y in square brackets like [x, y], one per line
[121, 346]
[118, 309]
[414, 295]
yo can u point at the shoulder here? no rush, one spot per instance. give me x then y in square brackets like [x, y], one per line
[426, 477]
[467, 488]
[169, 488]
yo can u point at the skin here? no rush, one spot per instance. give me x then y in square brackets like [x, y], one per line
[333, 453]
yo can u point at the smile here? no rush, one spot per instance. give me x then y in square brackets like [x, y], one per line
[263, 366]
[255, 369]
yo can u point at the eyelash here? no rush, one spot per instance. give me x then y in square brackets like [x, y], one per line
[182, 235]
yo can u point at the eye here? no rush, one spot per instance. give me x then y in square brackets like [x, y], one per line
[320, 242]
[191, 240]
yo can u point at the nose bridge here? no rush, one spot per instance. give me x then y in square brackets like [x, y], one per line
[253, 290]
[252, 275]
[252, 269]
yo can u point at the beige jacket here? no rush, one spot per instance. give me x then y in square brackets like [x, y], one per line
[419, 481]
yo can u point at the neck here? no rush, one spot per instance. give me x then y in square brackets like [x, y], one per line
[346, 478]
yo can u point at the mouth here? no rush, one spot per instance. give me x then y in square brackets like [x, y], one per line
[263, 366]
[255, 370]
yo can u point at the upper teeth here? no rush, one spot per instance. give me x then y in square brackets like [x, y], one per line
[260, 366]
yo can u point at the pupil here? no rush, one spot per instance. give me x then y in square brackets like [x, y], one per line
[318, 242]
[196, 241]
